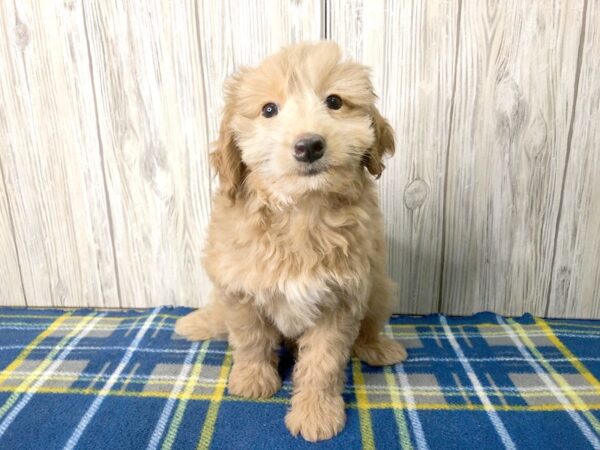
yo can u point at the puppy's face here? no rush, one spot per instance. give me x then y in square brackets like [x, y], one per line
[302, 121]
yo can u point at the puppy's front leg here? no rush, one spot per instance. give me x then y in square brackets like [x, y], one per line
[317, 411]
[255, 342]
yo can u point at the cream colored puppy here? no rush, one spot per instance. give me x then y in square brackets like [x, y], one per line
[295, 246]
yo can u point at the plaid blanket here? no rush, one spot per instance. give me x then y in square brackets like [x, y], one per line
[100, 380]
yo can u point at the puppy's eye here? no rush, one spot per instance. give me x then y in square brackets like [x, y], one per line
[333, 102]
[270, 110]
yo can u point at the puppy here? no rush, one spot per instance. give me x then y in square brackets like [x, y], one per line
[295, 246]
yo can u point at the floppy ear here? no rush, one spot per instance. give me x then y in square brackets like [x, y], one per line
[226, 158]
[384, 144]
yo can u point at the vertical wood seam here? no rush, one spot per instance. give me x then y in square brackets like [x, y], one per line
[567, 154]
[450, 124]
[325, 32]
[12, 230]
[204, 103]
[101, 151]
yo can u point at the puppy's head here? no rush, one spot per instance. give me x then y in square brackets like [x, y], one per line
[304, 120]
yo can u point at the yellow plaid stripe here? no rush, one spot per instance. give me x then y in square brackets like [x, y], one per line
[362, 402]
[398, 412]
[184, 397]
[7, 372]
[585, 373]
[558, 378]
[208, 430]
[32, 378]
[394, 391]
[284, 400]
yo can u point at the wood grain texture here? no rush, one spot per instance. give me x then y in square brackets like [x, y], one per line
[576, 275]
[410, 46]
[50, 157]
[147, 78]
[10, 276]
[516, 73]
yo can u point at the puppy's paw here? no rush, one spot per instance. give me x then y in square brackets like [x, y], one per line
[194, 327]
[382, 352]
[255, 380]
[316, 417]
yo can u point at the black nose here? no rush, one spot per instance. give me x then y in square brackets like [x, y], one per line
[309, 148]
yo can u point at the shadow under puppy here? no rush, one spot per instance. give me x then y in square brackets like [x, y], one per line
[295, 246]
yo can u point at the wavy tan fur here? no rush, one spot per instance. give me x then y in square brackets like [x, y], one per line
[292, 255]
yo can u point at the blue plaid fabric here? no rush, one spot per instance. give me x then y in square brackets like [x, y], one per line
[123, 380]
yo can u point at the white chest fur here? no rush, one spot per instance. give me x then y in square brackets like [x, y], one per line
[295, 263]
[296, 306]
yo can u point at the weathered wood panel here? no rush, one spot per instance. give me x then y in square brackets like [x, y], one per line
[50, 157]
[517, 64]
[10, 277]
[576, 276]
[147, 77]
[411, 46]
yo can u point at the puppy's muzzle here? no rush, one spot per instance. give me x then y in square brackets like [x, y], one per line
[309, 147]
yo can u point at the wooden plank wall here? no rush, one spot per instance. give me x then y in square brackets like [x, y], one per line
[51, 158]
[107, 110]
[507, 153]
[575, 281]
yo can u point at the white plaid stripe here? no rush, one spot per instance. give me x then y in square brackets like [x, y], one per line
[91, 412]
[406, 390]
[489, 407]
[413, 359]
[161, 425]
[8, 420]
[579, 421]
[413, 415]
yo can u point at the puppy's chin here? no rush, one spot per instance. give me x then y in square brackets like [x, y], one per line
[311, 170]
[324, 180]
[295, 184]
[310, 179]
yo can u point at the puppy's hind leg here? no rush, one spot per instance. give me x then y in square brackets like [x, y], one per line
[371, 346]
[205, 323]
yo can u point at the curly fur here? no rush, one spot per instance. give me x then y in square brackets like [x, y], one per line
[292, 255]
